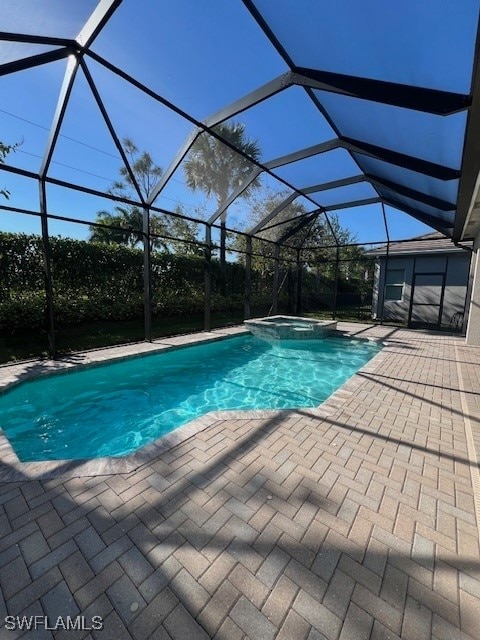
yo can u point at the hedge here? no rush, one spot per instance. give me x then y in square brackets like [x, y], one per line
[94, 281]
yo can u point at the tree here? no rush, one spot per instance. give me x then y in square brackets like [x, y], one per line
[183, 230]
[130, 217]
[287, 220]
[121, 235]
[317, 239]
[316, 234]
[4, 151]
[264, 202]
[216, 169]
[146, 172]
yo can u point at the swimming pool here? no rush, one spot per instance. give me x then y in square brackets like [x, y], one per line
[114, 409]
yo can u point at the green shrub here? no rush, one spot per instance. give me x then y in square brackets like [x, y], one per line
[99, 282]
[26, 310]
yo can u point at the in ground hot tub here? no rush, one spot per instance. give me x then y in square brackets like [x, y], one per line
[290, 328]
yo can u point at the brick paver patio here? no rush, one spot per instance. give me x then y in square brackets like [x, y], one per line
[354, 522]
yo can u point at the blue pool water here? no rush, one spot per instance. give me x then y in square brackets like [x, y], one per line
[115, 409]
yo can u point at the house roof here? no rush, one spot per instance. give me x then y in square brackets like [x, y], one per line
[428, 243]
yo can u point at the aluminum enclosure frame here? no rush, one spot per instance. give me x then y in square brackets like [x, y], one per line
[433, 101]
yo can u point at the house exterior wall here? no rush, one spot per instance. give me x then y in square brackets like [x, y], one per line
[395, 309]
[473, 327]
[455, 287]
[457, 275]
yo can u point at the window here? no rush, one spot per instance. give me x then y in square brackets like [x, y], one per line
[394, 283]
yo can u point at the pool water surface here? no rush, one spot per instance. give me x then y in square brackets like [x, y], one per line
[114, 409]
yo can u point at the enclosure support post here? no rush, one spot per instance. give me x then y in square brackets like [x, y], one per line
[208, 277]
[147, 275]
[47, 271]
[298, 286]
[335, 292]
[223, 259]
[384, 288]
[248, 278]
[276, 279]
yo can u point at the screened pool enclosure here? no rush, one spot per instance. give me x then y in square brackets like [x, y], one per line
[182, 166]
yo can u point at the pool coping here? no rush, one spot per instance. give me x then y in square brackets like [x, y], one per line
[13, 470]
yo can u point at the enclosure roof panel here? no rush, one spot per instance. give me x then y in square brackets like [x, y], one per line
[51, 18]
[425, 44]
[398, 78]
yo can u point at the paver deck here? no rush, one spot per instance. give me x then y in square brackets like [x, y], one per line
[356, 521]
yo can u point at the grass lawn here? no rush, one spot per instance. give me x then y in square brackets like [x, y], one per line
[95, 335]
[352, 313]
[101, 334]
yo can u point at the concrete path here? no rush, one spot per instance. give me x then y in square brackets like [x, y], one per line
[355, 522]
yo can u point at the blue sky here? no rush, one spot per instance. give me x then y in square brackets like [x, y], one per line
[202, 55]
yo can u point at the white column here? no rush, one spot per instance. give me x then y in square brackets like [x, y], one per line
[473, 326]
